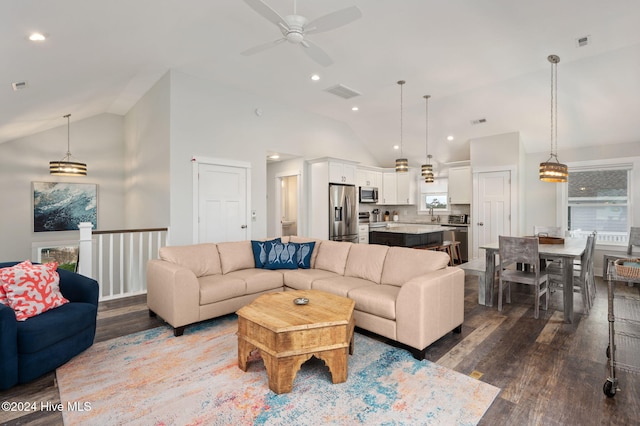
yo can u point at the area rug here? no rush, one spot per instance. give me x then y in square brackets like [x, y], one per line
[154, 378]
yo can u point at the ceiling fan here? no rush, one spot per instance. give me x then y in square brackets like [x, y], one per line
[295, 28]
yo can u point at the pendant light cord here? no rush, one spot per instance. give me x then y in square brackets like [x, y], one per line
[401, 83]
[426, 107]
[68, 136]
[554, 105]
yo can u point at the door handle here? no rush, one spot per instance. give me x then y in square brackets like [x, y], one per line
[480, 223]
[243, 226]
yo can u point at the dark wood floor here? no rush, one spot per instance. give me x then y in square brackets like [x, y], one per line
[550, 373]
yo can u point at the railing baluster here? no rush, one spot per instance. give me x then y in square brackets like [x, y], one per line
[121, 268]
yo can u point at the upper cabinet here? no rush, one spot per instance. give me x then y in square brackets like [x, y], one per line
[460, 185]
[369, 178]
[398, 188]
[342, 172]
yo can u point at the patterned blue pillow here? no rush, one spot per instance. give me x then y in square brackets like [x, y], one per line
[260, 250]
[303, 254]
[281, 256]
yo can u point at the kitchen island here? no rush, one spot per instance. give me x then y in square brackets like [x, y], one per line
[408, 235]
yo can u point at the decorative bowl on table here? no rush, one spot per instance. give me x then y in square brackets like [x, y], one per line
[301, 301]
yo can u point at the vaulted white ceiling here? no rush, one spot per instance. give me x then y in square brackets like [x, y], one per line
[476, 58]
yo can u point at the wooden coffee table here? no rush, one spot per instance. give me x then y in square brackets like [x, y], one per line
[287, 334]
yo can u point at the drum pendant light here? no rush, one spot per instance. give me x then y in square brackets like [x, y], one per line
[554, 171]
[402, 164]
[427, 169]
[66, 167]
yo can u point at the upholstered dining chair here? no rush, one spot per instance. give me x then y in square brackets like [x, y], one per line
[514, 250]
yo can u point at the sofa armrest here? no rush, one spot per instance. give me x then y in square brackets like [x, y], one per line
[78, 288]
[173, 292]
[429, 306]
[8, 347]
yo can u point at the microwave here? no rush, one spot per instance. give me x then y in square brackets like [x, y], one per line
[368, 194]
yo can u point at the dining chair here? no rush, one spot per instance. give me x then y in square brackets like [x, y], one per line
[634, 239]
[524, 250]
[583, 276]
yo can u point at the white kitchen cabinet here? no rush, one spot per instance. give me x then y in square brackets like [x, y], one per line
[369, 178]
[398, 188]
[340, 172]
[363, 234]
[460, 185]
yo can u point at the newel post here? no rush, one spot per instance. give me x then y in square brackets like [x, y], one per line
[85, 250]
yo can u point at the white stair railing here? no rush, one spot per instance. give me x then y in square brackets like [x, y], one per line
[118, 259]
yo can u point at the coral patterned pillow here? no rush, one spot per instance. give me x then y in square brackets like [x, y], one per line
[3, 295]
[32, 289]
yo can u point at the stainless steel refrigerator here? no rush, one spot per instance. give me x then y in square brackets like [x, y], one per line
[343, 217]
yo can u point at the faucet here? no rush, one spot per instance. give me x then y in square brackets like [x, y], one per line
[433, 219]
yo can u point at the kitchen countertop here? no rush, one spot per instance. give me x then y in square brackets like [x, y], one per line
[404, 228]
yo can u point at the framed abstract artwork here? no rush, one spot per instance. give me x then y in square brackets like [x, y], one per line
[61, 206]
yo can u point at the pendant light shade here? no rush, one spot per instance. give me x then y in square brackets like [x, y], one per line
[66, 167]
[402, 164]
[554, 171]
[427, 169]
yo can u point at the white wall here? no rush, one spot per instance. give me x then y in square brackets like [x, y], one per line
[97, 141]
[147, 139]
[211, 120]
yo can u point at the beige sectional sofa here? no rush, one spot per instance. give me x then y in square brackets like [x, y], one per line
[410, 296]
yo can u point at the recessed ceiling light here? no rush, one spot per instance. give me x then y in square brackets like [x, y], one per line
[449, 138]
[396, 147]
[37, 37]
[315, 77]
[354, 108]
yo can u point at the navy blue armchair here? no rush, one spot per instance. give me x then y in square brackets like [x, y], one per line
[31, 348]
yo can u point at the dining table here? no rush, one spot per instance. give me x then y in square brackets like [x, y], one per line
[572, 248]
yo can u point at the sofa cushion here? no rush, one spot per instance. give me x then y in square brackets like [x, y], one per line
[403, 264]
[235, 256]
[54, 326]
[366, 261]
[260, 250]
[201, 259]
[316, 248]
[258, 280]
[378, 300]
[32, 289]
[282, 256]
[340, 285]
[332, 256]
[214, 288]
[304, 251]
[301, 279]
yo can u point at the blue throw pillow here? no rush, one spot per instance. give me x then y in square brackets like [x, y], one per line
[281, 256]
[303, 254]
[260, 250]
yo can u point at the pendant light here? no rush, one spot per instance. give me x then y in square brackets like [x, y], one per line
[402, 164]
[66, 167]
[554, 171]
[427, 169]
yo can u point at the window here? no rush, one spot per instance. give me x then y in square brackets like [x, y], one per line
[434, 195]
[598, 199]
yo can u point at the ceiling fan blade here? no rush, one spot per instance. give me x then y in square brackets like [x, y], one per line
[333, 20]
[259, 48]
[316, 53]
[266, 12]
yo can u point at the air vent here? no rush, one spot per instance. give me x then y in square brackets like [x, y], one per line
[479, 121]
[342, 91]
[19, 85]
[583, 41]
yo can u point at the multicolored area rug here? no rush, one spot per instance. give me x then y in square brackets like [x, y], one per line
[153, 378]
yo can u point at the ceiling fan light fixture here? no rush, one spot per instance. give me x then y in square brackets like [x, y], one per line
[554, 171]
[67, 167]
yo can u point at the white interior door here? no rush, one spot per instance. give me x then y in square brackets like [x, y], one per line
[494, 207]
[222, 203]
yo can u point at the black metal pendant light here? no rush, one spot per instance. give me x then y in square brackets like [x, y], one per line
[66, 167]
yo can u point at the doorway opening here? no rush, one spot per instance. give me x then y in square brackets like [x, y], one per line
[289, 205]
